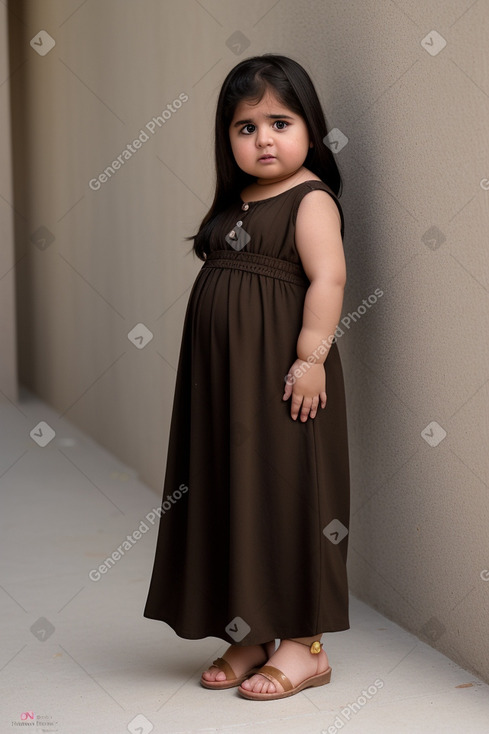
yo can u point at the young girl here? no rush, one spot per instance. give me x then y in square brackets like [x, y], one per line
[253, 535]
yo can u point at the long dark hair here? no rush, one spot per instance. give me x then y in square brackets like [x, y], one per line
[250, 80]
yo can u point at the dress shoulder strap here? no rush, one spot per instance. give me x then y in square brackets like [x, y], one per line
[311, 185]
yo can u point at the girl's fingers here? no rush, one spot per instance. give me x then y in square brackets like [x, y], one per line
[289, 383]
[295, 406]
[306, 407]
[314, 407]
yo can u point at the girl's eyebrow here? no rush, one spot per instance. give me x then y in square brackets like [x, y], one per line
[271, 117]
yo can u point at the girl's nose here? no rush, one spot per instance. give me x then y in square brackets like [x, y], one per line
[263, 137]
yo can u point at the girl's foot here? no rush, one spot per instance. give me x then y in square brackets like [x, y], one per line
[295, 661]
[241, 658]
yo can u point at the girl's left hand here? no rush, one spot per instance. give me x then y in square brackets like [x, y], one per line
[308, 390]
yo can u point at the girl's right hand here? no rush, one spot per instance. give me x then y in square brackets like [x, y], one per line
[308, 390]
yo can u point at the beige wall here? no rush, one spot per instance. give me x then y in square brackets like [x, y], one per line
[8, 326]
[416, 207]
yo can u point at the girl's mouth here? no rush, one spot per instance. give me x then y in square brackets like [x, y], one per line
[267, 158]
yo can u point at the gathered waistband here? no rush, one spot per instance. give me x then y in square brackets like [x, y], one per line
[254, 262]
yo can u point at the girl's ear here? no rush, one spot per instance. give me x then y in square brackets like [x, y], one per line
[311, 144]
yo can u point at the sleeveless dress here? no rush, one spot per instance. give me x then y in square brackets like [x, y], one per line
[253, 531]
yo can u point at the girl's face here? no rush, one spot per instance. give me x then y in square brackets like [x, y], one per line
[268, 129]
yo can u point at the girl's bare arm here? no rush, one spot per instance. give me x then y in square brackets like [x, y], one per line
[320, 247]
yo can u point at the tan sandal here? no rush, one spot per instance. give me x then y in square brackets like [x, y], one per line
[231, 679]
[276, 676]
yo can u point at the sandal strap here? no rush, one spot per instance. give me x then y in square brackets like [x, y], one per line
[275, 675]
[225, 667]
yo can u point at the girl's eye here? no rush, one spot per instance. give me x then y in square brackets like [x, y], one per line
[246, 131]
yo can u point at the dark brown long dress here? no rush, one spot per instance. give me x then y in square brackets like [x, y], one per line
[252, 542]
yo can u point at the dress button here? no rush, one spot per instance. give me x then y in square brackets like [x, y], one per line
[245, 207]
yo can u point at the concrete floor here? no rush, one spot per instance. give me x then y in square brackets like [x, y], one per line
[78, 656]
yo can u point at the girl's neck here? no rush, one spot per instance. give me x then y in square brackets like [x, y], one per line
[289, 177]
